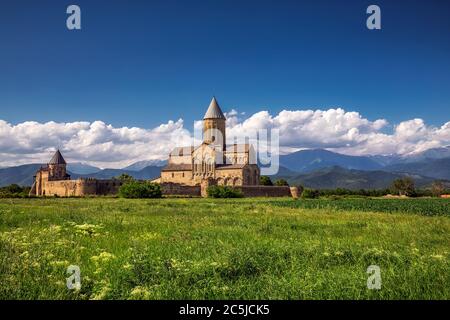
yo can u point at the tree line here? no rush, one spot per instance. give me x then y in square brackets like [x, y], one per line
[401, 187]
[132, 188]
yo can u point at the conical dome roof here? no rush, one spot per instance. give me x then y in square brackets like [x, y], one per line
[57, 158]
[214, 111]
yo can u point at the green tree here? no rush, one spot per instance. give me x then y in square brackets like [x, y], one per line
[281, 182]
[310, 194]
[265, 181]
[13, 188]
[404, 186]
[140, 189]
[125, 177]
[14, 191]
[437, 188]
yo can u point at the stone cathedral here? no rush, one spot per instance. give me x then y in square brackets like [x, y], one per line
[213, 160]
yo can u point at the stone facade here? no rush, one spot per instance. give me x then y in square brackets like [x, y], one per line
[213, 160]
[53, 180]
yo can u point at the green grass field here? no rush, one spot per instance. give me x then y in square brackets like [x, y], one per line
[224, 249]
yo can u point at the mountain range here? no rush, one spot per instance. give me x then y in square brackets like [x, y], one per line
[317, 168]
[338, 177]
[23, 175]
[435, 168]
[145, 163]
[310, 160]
[82, 168]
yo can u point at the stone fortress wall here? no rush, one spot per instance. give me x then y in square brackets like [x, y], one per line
[247, 191]
[175, 189]
[265, 191]
[78, 188]
[91, 187]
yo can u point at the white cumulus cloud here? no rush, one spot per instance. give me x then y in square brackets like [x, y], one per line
[96, 143]
[104, 145]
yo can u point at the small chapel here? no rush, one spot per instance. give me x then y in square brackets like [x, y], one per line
[213, 161]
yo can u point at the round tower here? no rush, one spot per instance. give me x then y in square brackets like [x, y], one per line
[214, 125]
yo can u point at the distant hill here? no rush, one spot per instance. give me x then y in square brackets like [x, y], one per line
[147, 173]
[436, 168]
[107, 173]
[23, 175]
[82, 168]
[385, 160]
[337, 177]
[310, 160]
[283, 173]
[150, 172]
[137, 166]
[434, 153]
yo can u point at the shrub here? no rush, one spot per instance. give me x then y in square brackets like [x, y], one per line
[310, 194]
[281, 182]
[223, 192]
[348, 192]
[14, 191]
[265, 181]
[13, 188]
[140, 189]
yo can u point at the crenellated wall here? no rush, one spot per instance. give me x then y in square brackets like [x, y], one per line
[99, 187]
[74, 188]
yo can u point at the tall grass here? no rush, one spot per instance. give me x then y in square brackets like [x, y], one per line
[217, 249]
[424, 206]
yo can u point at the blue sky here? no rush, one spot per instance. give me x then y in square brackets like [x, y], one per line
[141, 63]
